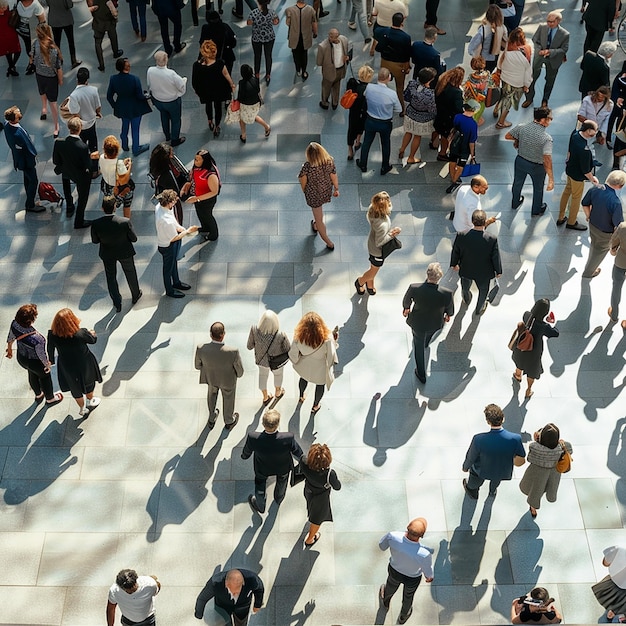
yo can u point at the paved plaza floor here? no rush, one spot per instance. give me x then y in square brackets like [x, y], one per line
[142, 483]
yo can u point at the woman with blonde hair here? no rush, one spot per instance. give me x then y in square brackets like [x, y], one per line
[319, 182]
[116, 180]
[380, 233]
[313, 353]
[357, 113]
[48, 62]
[515, 69]
[78, 369]
[490, 38]
[212, 83]
[319, 479]
[449, 102]
[267, 341]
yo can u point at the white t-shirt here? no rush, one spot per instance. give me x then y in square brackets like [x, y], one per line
[615, 556]
[467, 201]
[107, 169]
[139, 605]
[27, 12]
[166, 226]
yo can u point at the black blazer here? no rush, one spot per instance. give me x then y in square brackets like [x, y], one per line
[273, 452]
[115, 235]
[599, 14]
[429, 306]
[71, 158]
[216, 588]
[477, 255]
[595, 73]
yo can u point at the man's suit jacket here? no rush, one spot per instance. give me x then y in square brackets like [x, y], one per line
[273, 452]
[220, 366]
[71, 158]
[216, 588]
[595, 73]
[126, 96]
[325, 57]
[425, 55]
[429, 306]
[599, 14]
[22, 147]
[558, 47]
[115, 235]
[477, 255]
[491, 454]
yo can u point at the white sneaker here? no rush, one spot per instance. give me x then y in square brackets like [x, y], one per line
[84, 411]
[92, 403]
[352, 25]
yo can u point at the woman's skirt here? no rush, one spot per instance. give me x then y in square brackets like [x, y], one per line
[248, 112]
[609, 595]
[423, 129]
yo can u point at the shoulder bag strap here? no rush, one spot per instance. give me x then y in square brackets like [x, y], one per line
[268, 347]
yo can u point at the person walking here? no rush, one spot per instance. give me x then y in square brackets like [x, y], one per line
[319, 183]
[449, 102]
[302, 29]
[313, 353]
[31, 354]
[357, 114]
[409, 560]
[491, 455]
[134, 595]
[319, 480]
[541, 476]
[610, 592]
[137, 9]
[490, 38]
[463, 143]
[380, 233]
[167, 89]
[9, 41]
[170, 11]
[115, 236]
[116, 174]
[358, 15]
[598, 16]
[220, 367]
[618, 250]
[78, 370]
[104, 22]
[26, 9]
[467, 201]
[426, 308]
[263, 19]
[250, 101]
[61, 20]
[424, 54]
[333, 55]
[273, 456]
[223, 36]
[268, 341]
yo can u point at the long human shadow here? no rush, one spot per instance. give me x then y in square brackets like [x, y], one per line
[104, 328]
[307, 435]
[30, 469]
[606, 366]
[515, 412]
[396, 420]
[616, 461]
[182, 485]
[351, 333]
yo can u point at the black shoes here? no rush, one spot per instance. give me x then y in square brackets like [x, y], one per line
[472, 493]
[454, 186]
[136, 299]
[323, 14]
[561, 221]
[175, 294]
[118, 307]
[363, 168]
[576, 226]
[381, 598]
[239, 16]
[403, 618]
[35, 209]
[542, 209]
[212, 421]
[468, 300]
[183, 286]
[118, 54]
[518, 204]
[385, 170]
[177, 142]
[253, 505]
[324, 105]
[84, 224]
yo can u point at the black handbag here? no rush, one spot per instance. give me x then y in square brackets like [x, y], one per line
[297, 475]
[393, 244]
[278, 360]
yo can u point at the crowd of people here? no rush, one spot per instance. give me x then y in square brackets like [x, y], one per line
[447, 106]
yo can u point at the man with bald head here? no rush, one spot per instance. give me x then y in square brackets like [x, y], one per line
[407, 562]
[233, 590]
[332, 56]
[467, 201]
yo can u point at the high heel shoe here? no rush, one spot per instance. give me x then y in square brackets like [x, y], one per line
[533, 512]
[211, 125]
[242, 139]
[216, 132]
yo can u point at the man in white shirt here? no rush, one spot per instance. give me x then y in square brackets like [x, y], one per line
[167, 88]
[468, 201]
[135, 596]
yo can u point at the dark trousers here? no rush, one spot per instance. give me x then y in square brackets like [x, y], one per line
[138, 16]
[82, 188]
[90, 137]
[483, 290]
[300, 56]
[216, 105]
[431, 12]
[280, 489]
[170, 265]
[474, 482]
[30, 185]
[177, 21]
[239, 615]
[239, 5]
[266, 47]
[593, 39]
[383, 128]
[170, 117]
[551, 73]
[421, 340]
[134, 124]
[208, 225]
[57, 31]
[27, 42]
[37, 379]
[537, 174]
[319, 390]
[100, 30]
[12, 59]
[394, 580]
[110, 271]
[616, 293]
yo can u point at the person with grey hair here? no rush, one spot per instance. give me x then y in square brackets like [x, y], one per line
[426, 308]
[273, 456]
[333, 55]
[603, 208]
[167, 89]
[595, 68]
[269, 344]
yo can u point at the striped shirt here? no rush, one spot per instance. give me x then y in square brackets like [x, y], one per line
[534, 141]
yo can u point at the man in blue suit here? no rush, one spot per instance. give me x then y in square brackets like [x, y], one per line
[424, 54]
[491, 455]
[24, 156]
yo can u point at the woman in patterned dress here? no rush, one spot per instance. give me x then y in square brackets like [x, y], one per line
[263, 19]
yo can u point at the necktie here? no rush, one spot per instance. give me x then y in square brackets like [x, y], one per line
[549, 37]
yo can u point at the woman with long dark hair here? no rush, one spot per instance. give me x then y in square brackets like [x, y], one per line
[249, 97]
[263, 19]
[168, 172]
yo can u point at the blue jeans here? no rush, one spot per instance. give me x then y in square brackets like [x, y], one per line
[170, 266]
[170, 117]
[616, 293]
[134, 130]
[537, 174]
[138, 15]
[383, 128]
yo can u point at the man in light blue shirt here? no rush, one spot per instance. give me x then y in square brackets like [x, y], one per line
[407, 562]
[382, 103]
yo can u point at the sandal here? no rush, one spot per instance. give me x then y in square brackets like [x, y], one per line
[315, 410]
[503, 125]
[529, 393]
[359, 288]
[40, 397]
[316, 538]
[519, 380]
[371, 290]
[56, 398]
[409, 162]
[357, 146]
[278, 396]
[401, 154]
[267, 400]
[313, 227]
[268, 131]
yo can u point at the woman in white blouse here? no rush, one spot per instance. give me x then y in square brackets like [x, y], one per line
[115, 172]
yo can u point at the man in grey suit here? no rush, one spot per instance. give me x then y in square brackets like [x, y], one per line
[220, 366]
[551, 44]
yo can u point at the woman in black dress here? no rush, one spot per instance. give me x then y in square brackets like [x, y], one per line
[357, 113]
[319, 479]
[168, 172]
[449, 102]
[222, 35]
[529, 363]
[78, 370]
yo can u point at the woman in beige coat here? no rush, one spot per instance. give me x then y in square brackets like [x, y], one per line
[313, 353]
[302, 23]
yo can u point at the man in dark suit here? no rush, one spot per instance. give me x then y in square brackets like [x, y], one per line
[475, 255]
[116, 236]
[220, 366]
[24, 156]
[551, 42]
[424, 54]
[233, 592]
[431, 308]
[598, 17]
[72, 160]
[491, 455]
[170, 11]
[273, 453]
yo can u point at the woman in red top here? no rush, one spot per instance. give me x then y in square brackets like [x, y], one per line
[9, 42]
[203, 191]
